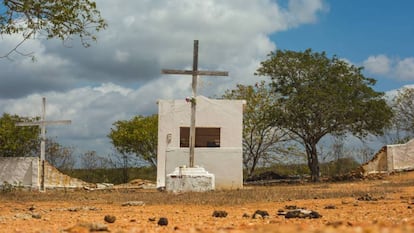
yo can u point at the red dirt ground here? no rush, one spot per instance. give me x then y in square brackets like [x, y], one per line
[84, 212]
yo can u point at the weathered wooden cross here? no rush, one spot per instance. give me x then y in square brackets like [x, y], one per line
[195, 73]
[42, 124]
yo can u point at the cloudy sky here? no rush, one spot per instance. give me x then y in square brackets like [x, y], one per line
[119, 76]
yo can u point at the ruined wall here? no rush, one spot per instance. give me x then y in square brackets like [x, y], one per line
[55, 179]
[378, 164]
[25, 172]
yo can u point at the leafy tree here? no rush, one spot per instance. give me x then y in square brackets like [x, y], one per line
[18, 141]
[260, 136]
[137, 136]
[59, 19]
[320, 96]
[404, 110]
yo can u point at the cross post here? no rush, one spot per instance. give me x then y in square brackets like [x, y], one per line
[195, 73]
[42, 124]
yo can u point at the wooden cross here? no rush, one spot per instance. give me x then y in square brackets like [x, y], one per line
[195, 73]
[42, 124]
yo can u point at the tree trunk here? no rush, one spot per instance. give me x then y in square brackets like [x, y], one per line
[313, 162]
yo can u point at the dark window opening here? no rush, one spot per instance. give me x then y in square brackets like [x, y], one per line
[205, 137]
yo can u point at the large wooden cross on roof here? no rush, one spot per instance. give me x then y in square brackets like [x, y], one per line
[42, 124]
[195, 73]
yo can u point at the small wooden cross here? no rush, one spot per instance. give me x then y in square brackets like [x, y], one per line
[195, 73]
[42, 124]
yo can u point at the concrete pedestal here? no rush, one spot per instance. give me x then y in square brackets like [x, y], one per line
[190, 179]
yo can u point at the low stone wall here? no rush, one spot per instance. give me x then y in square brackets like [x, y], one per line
[55, 179]
[378, 164]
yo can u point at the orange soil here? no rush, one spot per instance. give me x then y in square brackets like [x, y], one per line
[391, 213]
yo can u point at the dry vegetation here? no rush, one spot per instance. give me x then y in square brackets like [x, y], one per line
[388, 208]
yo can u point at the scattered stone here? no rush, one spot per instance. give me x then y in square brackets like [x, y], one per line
[36, 216]
[367, 197]
[161, 189]
[330, 207]
[257, 216]
[246, 215]
[73, 209]
[293, 214]
[335, 224]
[152, 219]
[109, 218]
[301, 213]
[281, 212]
[260, 214]
[291, 207]
[409, 207]
[133, 203]
[315, 214]
[84, 208]
[163, 221]
[31, 208]
[219, 214]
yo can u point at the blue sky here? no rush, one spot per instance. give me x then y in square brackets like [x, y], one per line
[355, 30]
[120, 76]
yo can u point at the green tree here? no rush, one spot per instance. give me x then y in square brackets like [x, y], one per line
[18, 141]
[320, 96]
[59, 19]
[261, 138]
[137, 136]
[404, 110]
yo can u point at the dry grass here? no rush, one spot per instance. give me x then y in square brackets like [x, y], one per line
[253, 194]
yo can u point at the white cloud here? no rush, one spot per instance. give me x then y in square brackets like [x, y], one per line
[405, 69]
[119, 77]
[303, 11]
[393, 68]
[377, 64]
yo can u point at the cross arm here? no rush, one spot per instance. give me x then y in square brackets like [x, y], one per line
[36, 123]
[199, 72]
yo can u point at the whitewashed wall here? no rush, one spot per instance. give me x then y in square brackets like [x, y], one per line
[401, 156]
[20, 171]
[225, 162]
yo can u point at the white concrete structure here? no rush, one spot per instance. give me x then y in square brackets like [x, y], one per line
[20, 171]
[399, 157]
[218, 139]
[190, 179]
